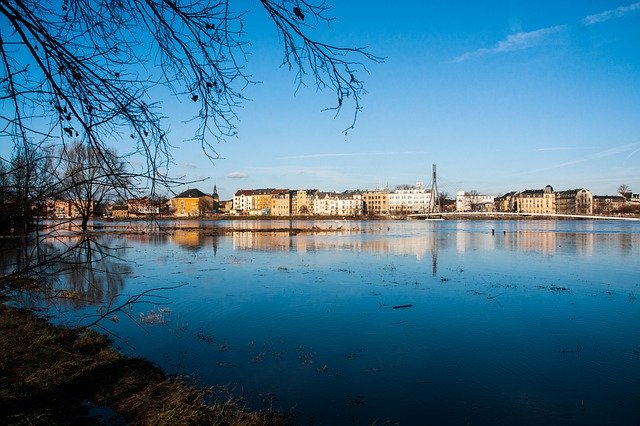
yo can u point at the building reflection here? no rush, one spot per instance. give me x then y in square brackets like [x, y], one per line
[421, 247]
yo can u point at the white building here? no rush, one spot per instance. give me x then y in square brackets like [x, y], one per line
[243, 200]
[410, 200]
[473, 202]
[338, 204]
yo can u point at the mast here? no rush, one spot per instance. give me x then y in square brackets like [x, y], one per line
[434, 205]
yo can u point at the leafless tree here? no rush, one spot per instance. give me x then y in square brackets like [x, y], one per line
[624, 190]
[89, 177]
[95, 69]
[205, 206]
[25, 182]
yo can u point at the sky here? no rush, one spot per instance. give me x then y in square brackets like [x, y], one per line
[501, 96]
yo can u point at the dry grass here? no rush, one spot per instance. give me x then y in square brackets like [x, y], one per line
[50, 375]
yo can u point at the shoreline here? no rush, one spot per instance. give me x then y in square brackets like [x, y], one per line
[51, 374]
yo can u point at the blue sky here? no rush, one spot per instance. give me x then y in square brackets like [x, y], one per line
[502, 96]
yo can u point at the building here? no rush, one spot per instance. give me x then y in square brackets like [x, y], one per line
[542, 201]
[191, 203]
[253, 202]
[242, 201]
[216, 200]
[225, 207]
[67, 209]
[375, 202]
[280, 202]
[507, 202]
[574, 201]
[142, 206]
[348, 203]
[119, 212]
[406, 199]
[261, 201]
[474, 202]
[608, 204]
[302, 201]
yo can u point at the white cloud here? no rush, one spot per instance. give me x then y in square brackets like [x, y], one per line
[632, 147]
[237, 175]
[555, 148]
[350, 154]
[610, 14]
[513, 42]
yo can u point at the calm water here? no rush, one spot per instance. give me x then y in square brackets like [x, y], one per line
[538, 323]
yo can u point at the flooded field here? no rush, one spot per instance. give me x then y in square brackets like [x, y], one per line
[448, 322]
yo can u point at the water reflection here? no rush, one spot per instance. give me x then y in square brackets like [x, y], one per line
[69, 268]
[304, 317]
[90, 269]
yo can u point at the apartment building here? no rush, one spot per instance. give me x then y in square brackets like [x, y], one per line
[375, 202]
[280, 202]
[541, 201]
[337, 204]
[574, 201]
[302, 201]
[415, 199]
[474, 202]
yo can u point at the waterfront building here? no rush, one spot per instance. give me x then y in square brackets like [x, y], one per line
[608, 204]
[280, 202]
[507, 202]
[242, 201]
[574, 201]
[348, 203]
[191, 203]
[302, 201]
[119, 212]
[541, 201]
[407, 199]
[375, 202]
[142, 206]
[474, 202]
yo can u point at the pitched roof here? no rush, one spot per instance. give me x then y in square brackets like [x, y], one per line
[191, 193]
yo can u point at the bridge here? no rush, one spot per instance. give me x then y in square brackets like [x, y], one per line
[503, 215]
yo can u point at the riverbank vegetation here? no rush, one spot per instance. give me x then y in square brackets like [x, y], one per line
[55, 375]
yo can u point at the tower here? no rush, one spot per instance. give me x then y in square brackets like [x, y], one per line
[434, 206]
[216, 199]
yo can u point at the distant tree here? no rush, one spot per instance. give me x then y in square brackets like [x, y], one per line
[205, 205]
[624, 190]
[90, 175]
[404, 186]
[25, 184]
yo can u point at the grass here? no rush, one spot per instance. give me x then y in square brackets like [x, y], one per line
[54, 375]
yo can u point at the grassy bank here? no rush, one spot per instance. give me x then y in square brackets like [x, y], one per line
[54, 375]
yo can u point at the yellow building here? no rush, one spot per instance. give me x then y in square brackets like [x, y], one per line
[192, 203]
[376, 202]
[507, 202]
[541, 201]
[280, 202]
[261, 201]
[302, 201]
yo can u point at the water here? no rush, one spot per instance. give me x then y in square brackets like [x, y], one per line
[538, 323]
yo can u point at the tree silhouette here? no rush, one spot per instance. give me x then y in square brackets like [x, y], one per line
[89, 176]
[93, 69]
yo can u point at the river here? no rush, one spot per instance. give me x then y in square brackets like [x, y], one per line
[411, 322]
